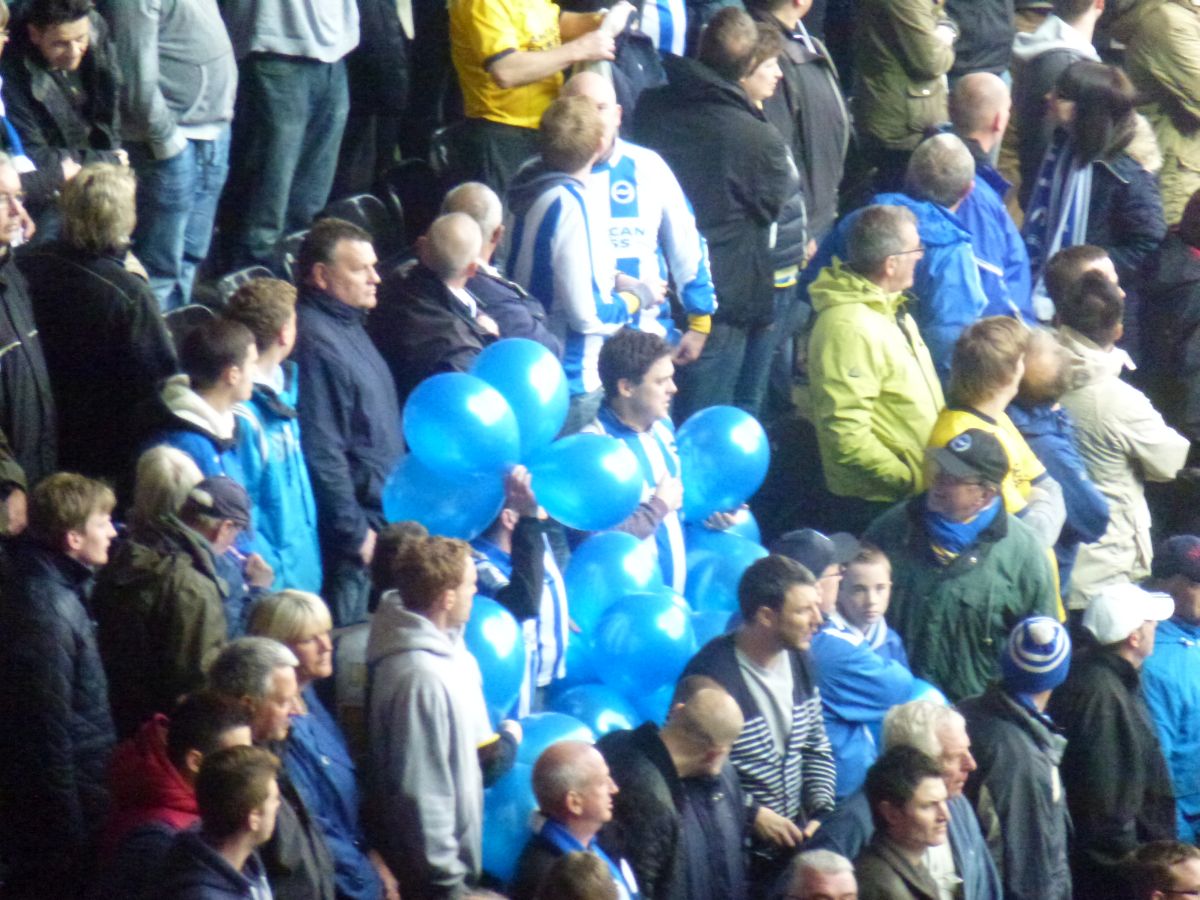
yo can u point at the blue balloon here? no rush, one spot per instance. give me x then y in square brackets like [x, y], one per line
[654, 706]
[923, 690]
[458, 425]
[543, 729]
[645, 641]
[460, 508]
[723, 459]
[709, 625]
[602, 570]
[745, 525]
[588, 482]
[532, 380]
[508, 807]
[716, 561]
[598, 707]
[496, 641]
[580, 668]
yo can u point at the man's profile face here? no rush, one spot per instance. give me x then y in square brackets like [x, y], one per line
[351, 276]
[272, 714]
[63, 46]
[12, 205]
[799, 617]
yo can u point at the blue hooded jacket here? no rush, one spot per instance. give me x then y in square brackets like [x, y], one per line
[999, 250]
[1171, 687]
[946, 282]
[276, 478]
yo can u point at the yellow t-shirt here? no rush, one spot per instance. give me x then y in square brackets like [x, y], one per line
[1024, 468]
[482, 31]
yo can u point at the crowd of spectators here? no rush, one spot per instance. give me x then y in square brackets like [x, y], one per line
[960, 244]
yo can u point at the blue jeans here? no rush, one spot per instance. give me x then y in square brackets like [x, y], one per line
[176, 205]
[287, 130]
[732, 370]
[347, 590]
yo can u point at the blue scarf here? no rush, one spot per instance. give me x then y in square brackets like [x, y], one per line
[949, 538]
[566, 842]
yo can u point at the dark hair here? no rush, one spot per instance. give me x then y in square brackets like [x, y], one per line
[895, 777]
[629, 354]
[212, 347]
[767, 582]
[321, 241]
[1189, 222]
[264, 305]
[1067, 266]
[766, 6]
[1070, 10]
[1105, 117]
[44, 14]
[728, 44]
[199, 722]
[1148, 868]
[768, 46]
[1093, 307]
[232, 784]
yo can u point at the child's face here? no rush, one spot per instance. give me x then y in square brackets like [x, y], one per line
[866, 590]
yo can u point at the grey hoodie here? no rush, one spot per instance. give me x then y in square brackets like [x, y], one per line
[426, 718]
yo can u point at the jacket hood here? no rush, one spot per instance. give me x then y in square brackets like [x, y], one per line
[1052, 34]
[185, 404]
[151, 550]
[1088, 362]
[837, 285]
[146, 786]
[531, 181]
[192, 863]
[398, 630]
[937, 226]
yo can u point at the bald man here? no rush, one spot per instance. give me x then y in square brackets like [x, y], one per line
[427, 321]
[651, 224]
[681, 818]
[516, 312]
[575, 793]
[979, 111]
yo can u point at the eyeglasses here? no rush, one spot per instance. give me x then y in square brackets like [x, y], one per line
[920, 248]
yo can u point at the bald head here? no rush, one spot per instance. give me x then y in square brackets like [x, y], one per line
[703, 724]
[573, 787]
[451, 246]
[979, 108]
[479, 202]
[600, 91]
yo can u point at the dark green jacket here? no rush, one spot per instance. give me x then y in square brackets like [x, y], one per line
[158, 607]
[955, 619]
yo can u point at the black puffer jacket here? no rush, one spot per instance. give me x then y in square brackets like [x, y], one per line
[57, 733]
[734, 167]
[683, 838]
[27, 413]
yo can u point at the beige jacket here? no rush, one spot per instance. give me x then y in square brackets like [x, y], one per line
[1124, 442]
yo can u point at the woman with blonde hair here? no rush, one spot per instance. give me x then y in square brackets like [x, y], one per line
[99, 325]
[315, 756]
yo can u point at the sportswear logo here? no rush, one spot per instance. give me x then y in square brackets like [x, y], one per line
[622, 192]
[961, 444]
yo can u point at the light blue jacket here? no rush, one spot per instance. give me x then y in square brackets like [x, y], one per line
[858, 686]
[276, 478]
[1171, 687]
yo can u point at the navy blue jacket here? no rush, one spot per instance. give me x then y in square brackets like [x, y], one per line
[57, 731]
[349, 419]
[1050, 433]
[195, 871]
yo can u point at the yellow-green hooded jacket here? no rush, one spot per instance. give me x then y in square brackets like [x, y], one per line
[875, 395]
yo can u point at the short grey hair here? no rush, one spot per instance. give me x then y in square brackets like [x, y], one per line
[823, 862]
[479, 202]
[917, 724]
[246, 667]
[555, 776]
[452, 243]
[165, 477]
[941, 170]
[877, 233]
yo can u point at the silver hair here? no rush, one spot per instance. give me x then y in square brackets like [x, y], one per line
[823, 862]
[941, 169]
[552, 782]
[917, 724]
[877, 233]
[479, 202]
[246, 666]
[453, 242]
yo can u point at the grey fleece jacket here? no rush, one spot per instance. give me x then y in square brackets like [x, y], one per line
[180, 74]
[426, 718]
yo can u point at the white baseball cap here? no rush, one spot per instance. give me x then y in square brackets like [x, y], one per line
[1118, 610]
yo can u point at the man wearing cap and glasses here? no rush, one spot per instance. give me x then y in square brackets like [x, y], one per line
[1171, 677]
[1118, 788]
[964, 571]
[158, 603]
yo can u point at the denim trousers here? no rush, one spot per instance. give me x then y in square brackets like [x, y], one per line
[732, 370]
[347, 590]
[287, 130]
[176, 205]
